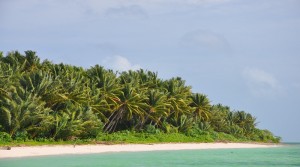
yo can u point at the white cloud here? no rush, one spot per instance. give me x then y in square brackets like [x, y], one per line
[138, 6]
[261, 83]
[119, 63]
[154, 2]
[207, 41]
[73, 11]
[203, 2]
[132, 11]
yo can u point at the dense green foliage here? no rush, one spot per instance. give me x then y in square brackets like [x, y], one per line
[46, 101]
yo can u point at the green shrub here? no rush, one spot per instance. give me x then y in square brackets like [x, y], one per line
[21, 136]
[43, 139]
[151, 129]
[267, 136]
[5, 137]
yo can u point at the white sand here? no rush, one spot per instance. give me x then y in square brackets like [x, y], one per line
[88, 149]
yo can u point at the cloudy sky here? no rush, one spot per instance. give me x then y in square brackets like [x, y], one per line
[245, 54]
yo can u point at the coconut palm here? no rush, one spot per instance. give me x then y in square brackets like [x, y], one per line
[76, 121]
[130, 105]
[157, 108]
[200, 107]
[23, 112]
[177, 94]
[245, 121]
[219, 118]
[32, 62]
[104, 91]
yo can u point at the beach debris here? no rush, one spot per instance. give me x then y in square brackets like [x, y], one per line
[5, 148]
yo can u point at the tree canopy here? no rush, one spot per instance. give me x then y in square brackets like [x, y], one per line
[60, 101]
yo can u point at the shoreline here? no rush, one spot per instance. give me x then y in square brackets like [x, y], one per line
[31, 151]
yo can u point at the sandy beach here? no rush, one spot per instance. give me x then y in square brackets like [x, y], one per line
[27, 151]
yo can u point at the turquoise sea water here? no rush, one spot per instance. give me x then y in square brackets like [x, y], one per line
[284, 156]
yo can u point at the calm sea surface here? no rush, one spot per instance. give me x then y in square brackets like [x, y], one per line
[285, 156]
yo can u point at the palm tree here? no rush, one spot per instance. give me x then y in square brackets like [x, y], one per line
[177, 94]
[200, 107]
[6, 80]
[76, 121]
[220, 118]
[23, 112]
[157, 108]
[245, 121]
[104, 91]
[130, 105]
[32, 62]
[16, 61]
[148, 79]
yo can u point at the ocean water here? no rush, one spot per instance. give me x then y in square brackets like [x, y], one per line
[285, 156]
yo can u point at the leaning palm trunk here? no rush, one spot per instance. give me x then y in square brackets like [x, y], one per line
[142, 122]
[113, 121]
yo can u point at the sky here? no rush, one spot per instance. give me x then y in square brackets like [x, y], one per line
[241, 53]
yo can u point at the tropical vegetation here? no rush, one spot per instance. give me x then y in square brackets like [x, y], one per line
[43, 101]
